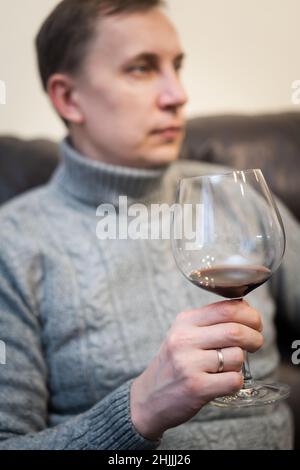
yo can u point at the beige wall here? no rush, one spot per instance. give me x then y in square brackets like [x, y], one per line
[27, 111]
[242, 56]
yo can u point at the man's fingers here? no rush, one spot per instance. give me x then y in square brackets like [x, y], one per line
[208, 361]
[237, 311]
[218, 385]
[228, 335]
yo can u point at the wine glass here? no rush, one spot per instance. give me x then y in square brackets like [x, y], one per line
[228, 238]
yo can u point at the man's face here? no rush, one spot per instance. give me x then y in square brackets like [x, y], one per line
[129, 92]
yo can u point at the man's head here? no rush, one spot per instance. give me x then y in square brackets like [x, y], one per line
[111, 69]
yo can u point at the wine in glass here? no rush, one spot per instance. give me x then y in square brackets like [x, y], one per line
[228, 238]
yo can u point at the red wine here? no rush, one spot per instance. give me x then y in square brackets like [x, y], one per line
[230, 281]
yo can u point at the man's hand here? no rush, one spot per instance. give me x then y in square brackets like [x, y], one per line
[183, 377]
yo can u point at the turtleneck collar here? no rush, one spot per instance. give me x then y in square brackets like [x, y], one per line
[95, 182]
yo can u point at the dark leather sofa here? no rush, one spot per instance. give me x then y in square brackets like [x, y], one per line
[270, 142]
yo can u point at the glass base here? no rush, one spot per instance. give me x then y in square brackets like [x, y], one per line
[259, 394]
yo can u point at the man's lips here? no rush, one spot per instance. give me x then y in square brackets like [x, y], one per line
[168, 132]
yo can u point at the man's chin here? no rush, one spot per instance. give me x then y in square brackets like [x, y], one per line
[152, 158]
[162, 156]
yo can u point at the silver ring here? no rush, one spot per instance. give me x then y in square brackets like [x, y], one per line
[221, 360]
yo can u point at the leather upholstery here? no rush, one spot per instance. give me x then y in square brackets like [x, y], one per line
[24, 165]
[270, 142]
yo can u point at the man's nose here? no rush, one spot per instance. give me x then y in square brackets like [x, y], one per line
[172, 93]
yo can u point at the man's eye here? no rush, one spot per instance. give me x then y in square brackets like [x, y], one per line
[143, 68]
[178, 67]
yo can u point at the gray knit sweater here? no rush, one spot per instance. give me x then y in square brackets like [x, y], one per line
[82, 317]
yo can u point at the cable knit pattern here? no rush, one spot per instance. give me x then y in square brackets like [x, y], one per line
[82, 317]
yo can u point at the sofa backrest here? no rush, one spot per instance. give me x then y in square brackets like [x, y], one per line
[25, 164]
[270, 142]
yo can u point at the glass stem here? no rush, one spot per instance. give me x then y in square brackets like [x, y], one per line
[248, 380]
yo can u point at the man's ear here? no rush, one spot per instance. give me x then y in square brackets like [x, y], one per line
[62, 93]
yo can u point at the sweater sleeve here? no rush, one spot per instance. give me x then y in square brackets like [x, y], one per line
[24, 395]
[285, 283]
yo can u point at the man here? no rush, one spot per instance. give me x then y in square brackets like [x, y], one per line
[108, 347]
